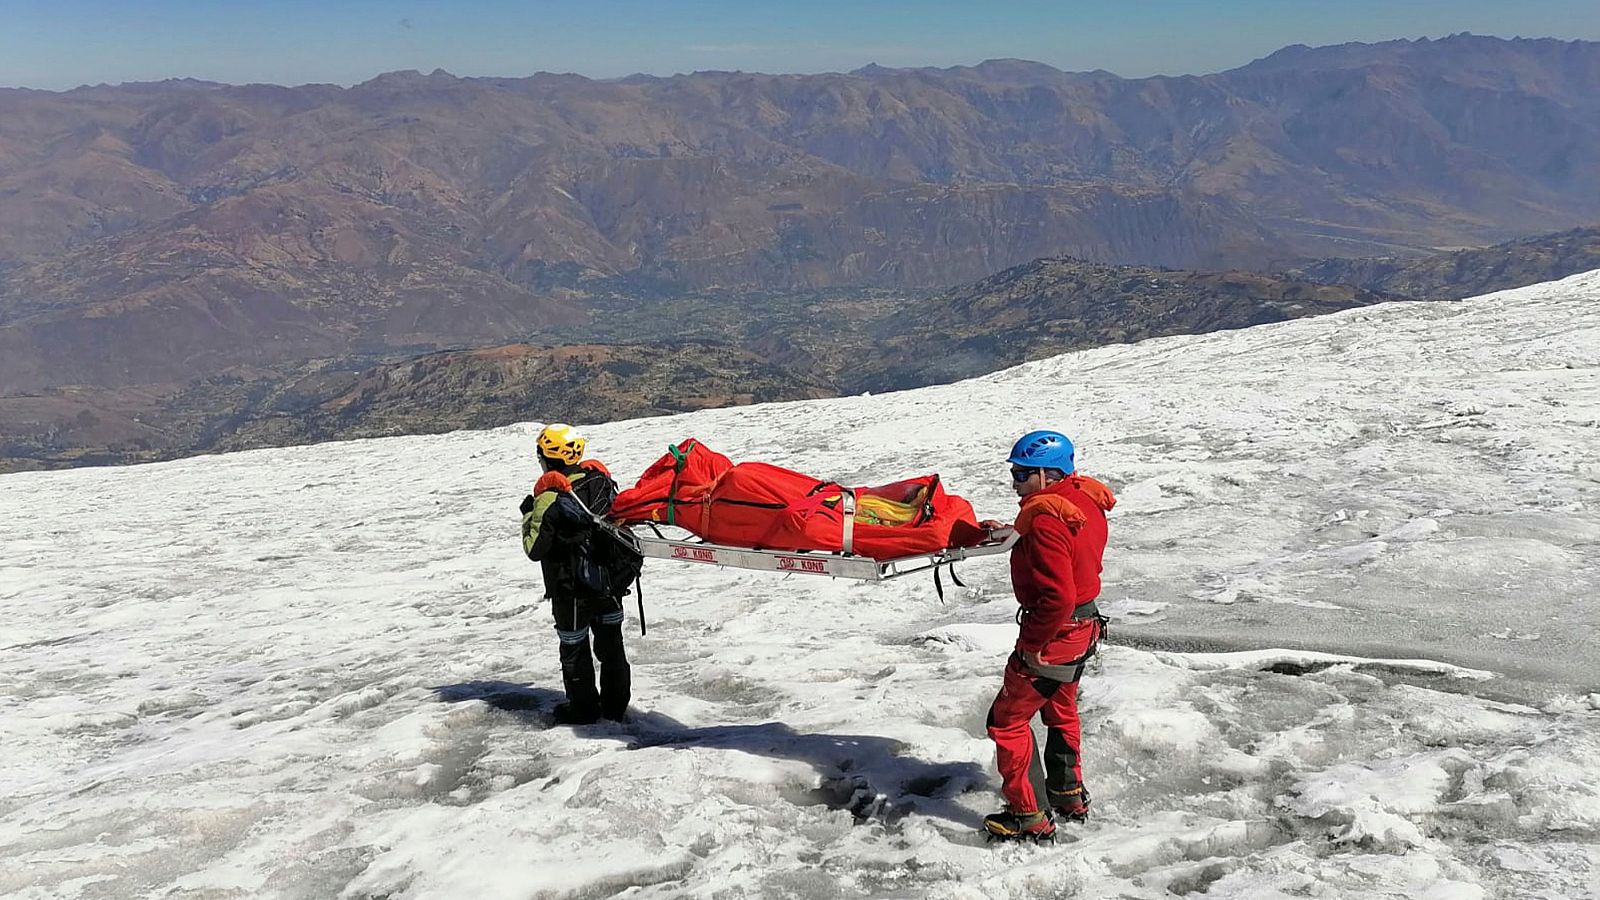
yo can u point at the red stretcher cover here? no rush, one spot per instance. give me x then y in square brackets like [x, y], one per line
[766, 507]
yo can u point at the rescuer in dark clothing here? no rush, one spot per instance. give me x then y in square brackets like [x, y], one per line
[560, 533]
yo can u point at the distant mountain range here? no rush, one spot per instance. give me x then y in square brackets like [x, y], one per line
[175, 256]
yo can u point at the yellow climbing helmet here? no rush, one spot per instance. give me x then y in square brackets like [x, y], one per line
[562, 442]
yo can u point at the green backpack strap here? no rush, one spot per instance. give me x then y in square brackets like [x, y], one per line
[680, 458]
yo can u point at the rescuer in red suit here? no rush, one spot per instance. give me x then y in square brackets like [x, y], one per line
[1055, 572]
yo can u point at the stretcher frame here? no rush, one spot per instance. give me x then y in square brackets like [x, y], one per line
[818, 562]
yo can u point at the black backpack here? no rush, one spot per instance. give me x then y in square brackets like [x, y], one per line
[607, 564]
[605, 560]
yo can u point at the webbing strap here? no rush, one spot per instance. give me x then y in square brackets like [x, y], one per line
[1079, 613]
[638, 588]
[1069, 672]
[847, 506]
[627, 537]
[679, 459]
[938, 586]
[1066, 673]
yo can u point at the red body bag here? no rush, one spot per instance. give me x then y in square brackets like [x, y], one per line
[766, 507]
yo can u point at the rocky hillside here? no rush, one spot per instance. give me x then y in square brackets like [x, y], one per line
[327, 400]
[1469, 273]
[804, 347]
[1051, 306]
[580, 384]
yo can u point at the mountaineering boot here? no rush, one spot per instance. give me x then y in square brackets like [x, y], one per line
[572, 714]
[1010, 825]
[1071, 804]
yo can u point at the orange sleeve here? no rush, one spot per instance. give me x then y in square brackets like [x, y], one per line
[1050, 506]
[1097, 491]
[552, 481]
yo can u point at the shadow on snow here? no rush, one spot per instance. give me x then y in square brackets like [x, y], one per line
[868, 775]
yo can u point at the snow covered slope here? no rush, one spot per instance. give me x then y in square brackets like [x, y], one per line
[325, 671]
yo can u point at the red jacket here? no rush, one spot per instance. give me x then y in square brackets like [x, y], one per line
[1055, 567]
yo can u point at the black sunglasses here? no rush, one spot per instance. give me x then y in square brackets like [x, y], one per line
[1021, 475]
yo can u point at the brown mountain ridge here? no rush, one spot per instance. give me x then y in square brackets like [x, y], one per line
[184, 260]
[159, 232]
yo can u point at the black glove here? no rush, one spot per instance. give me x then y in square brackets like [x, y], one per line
[527, 504]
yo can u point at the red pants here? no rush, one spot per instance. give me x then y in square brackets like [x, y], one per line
[1025, 693]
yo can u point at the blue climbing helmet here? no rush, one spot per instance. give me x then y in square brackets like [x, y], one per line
[1043, 450]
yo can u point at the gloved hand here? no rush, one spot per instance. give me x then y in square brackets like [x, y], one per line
[992, 525]
[527, 504]
[553, 481]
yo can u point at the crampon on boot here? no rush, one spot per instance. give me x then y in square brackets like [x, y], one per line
[1008, 825]
[1071, 804]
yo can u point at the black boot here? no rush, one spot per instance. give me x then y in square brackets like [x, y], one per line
[616, 676]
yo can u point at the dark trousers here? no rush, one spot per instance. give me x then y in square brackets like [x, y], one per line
[576, 621]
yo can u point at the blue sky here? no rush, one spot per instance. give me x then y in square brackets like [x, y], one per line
[64, 43]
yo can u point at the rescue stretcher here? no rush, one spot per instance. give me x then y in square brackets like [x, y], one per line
[815, 562]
